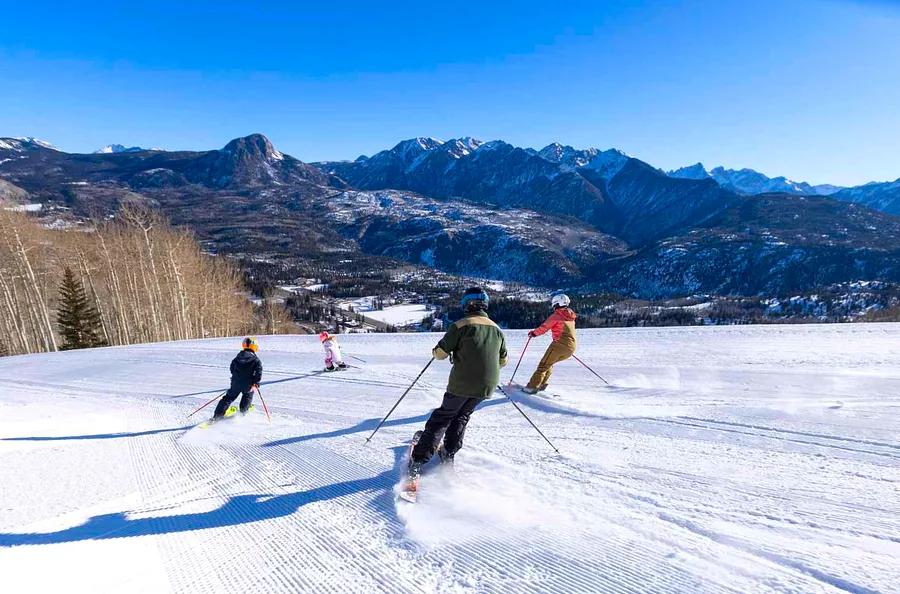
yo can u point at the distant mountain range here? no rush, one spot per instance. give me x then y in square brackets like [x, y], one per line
[558, 216]
[880, 196]
[748, 181]
[118, 148]
[602, 188]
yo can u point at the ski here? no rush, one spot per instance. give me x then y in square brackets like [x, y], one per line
[409, 489]
[230, 412]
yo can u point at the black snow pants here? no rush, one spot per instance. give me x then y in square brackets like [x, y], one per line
[230, 395]
[449, 421]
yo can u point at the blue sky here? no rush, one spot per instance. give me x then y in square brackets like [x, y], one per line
[804, 88]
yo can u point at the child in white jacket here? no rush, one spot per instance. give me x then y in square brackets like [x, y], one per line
[332, 352]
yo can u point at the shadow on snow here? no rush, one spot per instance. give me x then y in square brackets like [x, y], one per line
[96, 436]
[237, 510]
[366, 425]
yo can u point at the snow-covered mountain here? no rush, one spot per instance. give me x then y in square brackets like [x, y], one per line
[594, 186]
[24, 143]
[884, 196]
[720, 459]
[586, 218]
[119, 148]
[750, 182]
[607, 163]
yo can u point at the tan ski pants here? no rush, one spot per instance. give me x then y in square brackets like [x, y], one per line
[556, 352]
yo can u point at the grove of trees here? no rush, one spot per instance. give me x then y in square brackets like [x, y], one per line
[146, 280]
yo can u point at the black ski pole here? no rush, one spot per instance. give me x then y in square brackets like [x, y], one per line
[502, 391]
[421, 373]
[589, 369]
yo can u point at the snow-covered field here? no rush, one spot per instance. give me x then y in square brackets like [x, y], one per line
[396, 315]
[740, 459]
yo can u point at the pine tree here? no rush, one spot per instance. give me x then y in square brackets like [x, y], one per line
[78, 320]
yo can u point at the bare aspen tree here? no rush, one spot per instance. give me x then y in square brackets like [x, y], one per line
[147, 280]
[86, 276]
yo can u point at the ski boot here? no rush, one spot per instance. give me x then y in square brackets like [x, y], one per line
[330, 368]
[530, 390]
[542, 388]
[445, 456]
[342, 366]
[409, 491]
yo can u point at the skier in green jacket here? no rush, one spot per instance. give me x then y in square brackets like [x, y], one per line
[477, 349]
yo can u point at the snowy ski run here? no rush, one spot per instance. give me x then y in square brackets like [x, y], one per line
[729, 459]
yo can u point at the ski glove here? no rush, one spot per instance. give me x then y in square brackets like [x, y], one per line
[531, 334]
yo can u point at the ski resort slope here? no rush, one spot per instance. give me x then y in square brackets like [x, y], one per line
[730, 459]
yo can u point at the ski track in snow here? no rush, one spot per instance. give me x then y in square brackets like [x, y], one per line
[740, 459]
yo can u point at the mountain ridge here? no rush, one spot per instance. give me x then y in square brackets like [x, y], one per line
[596, 219]
[751, 182]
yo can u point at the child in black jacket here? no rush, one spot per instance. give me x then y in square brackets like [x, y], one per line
[246, 373]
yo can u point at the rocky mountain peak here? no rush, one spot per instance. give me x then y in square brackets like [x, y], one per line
[413, 147]
[460, 147]
[695, 171]
[254, 146]
[568, 156]
[554, 152]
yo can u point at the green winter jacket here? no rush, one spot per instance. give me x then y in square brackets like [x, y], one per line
[479, 351]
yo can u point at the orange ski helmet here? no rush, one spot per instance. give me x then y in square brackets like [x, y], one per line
[323, 336]
[250, 343]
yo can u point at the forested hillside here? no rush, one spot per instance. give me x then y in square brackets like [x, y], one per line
[147, 280]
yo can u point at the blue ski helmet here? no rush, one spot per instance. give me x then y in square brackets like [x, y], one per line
[474, 298]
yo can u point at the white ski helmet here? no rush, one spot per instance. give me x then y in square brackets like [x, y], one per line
[560, 300]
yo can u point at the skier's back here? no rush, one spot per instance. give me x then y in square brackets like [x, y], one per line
[246, 373]
[561, 325]
[477, 348]
[332, 352]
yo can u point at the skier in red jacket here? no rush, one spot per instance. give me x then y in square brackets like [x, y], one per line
[561, 324]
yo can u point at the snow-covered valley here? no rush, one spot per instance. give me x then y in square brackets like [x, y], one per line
[730, 459]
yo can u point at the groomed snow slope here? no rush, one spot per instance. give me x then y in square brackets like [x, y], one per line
[741, 459]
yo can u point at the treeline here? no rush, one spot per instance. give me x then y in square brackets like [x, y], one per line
[141, 280]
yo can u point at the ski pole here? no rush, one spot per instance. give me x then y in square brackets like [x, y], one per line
[357, 358]
[589, 369]
[207, 404]
[525, 348]
[263, 400]
[502, 391]
[421, 373]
